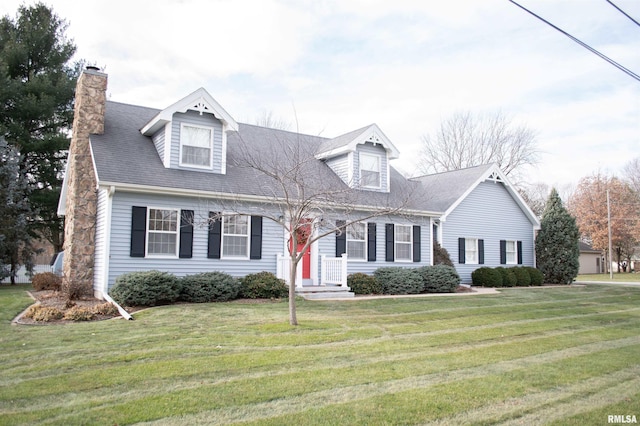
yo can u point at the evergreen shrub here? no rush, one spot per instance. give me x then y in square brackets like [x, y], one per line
[439, 279]
[361, 283]
[537, 277]
[147, 288]
[508, 277]
[396, 280]
[486, 277]
[523, 279]
[263, 285]
[206, 287]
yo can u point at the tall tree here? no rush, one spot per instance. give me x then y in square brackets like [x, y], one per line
[557, 249]
[632, 174]
[15, 214]
[37, 85]
[589, 205]
[466, 140]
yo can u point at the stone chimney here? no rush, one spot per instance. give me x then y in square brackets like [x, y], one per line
[81, 203]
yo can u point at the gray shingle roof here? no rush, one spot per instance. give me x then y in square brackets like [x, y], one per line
[123, 155]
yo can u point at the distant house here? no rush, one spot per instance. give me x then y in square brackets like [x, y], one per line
[142, 184]
[590, 260]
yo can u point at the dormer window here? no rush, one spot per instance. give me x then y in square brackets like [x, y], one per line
[196, 146]
[370, 170]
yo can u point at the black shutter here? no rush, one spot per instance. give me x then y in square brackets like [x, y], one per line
[503, 252]
[186, 234]
[255, 252]
[416, 244]
[519, 252]
[371, 241]
[461, 251]
[481, 252]
[341, 238]
[215, 236]
[138, 231]
[389, 240]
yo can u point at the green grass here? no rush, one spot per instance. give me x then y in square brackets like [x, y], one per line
[621, 277]
[567, 355]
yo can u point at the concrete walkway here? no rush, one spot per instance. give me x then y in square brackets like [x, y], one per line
[475, 291]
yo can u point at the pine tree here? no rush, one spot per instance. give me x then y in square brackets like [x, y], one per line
[557, 249]
[15, 214]
[36, 96]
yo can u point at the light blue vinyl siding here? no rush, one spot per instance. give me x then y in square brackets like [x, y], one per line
[340, 166]
[491, 214]
[378, 150]
[158, 141]
[207, 120]
[99, 262]
[120, 262]
[327, 246]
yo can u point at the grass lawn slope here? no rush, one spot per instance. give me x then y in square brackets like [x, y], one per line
[564, 356]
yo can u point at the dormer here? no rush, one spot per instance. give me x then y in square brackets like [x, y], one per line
[191, 134]
[360, 158]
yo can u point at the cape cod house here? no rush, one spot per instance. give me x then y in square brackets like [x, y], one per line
[183, 190]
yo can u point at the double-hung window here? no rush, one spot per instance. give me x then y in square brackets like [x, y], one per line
[511, 252]
[357, 241]
[404, 242]
[235, 236]
[471, 250]
[196, 146]
[369, 170]
[162, 232]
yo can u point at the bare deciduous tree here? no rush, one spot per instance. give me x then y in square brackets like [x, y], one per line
[267, 119]
[631, 173]
[297, 191]
[466, 140]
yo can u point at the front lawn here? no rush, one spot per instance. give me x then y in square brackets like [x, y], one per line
[565, 356]
[622, 277]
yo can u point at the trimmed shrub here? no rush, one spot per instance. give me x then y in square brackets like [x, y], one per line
[79, 313]
[537, 277]
[363, 284]
[508, 277]
[46, 281]
[523, 279]
[105, 308]
[439, 279]
[263, 285]
[148, 288]
[486, 277]
[206, 287]
[74, 290]
[441, 255]
[396, 280]
[43, 313]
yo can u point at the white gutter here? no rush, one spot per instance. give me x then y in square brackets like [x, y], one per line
[124, 313]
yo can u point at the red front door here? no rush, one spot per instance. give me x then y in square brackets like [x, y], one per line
[302, 235]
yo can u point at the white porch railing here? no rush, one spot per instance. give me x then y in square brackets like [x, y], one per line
[333, 270]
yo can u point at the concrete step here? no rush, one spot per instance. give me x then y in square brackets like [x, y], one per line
[324, 292]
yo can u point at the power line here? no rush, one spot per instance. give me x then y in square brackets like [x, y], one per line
[581, 43]
[623, 12]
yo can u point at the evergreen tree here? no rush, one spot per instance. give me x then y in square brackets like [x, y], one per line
[557, 249]
[36, 96]
[15, 214]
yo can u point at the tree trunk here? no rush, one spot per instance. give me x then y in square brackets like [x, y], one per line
[293, 319]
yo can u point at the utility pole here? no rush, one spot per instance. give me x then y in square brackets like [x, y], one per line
[610, 244]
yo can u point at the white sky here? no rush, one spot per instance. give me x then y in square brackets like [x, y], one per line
[335, 66]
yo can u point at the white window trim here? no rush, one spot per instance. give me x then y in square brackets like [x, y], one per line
[366, 243]
[177, 233]
[515, 252]
[395, 242]
[223, 235]
[195, 166]
[476, 260]
[379, 158]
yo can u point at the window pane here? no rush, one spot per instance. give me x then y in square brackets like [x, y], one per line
[356, 249]
[471, 250]
[161, 243]
[511, 252]
[369, 170]
[196, 146]
[196, 156]
[356, 231]
[369, 178]
[196, 136]
[236, 225]
[403, 234]
[403, 251]
[234, 246]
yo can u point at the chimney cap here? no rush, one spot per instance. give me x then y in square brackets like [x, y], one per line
[92, 68]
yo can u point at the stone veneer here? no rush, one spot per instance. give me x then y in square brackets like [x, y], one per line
[81, 202]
